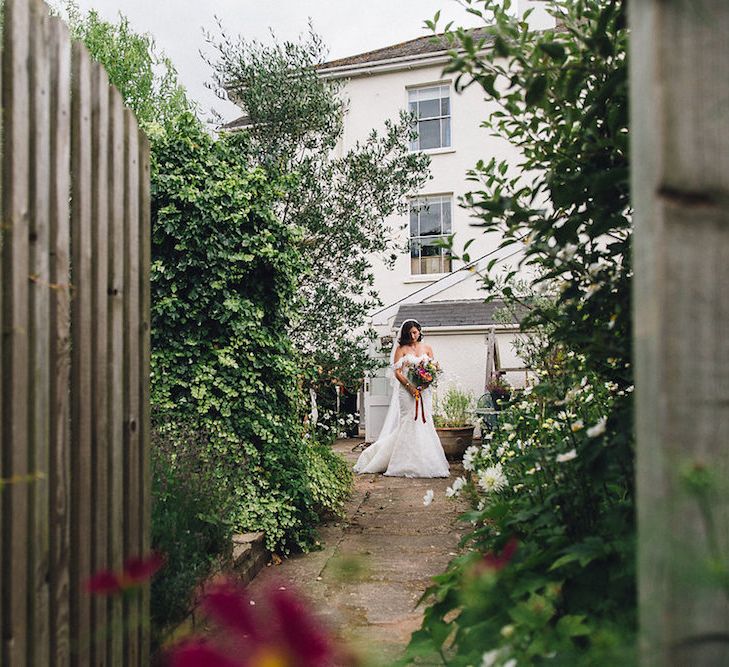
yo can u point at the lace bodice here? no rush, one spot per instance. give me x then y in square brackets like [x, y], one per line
[410, 359]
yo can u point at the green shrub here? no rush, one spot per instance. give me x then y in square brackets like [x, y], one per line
[190, 523]
[224, 271]
[330, 477]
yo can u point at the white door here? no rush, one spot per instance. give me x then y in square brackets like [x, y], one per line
[378, 390]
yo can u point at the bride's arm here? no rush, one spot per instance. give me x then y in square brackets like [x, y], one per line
[401, 376]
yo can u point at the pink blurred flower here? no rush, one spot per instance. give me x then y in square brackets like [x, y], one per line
[493, 561]
[136, 571]
[280, 632]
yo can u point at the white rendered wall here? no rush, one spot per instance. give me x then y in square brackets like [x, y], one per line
[378, 96]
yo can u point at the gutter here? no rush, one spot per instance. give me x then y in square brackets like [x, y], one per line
[381, 66]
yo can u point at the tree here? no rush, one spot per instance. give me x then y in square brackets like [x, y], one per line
[146, 79]
[340, 202]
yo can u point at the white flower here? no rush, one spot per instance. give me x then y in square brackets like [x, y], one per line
[577, 426]
[583, 381]
[510, 663]
[507, 427]
[489, 658]
[468, 457]
[493, 480]
[456, 487]
[567, 456]
[597, 429]
[507, 631]
[428, 497]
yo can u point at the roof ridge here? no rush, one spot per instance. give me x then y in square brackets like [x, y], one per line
[399, 49]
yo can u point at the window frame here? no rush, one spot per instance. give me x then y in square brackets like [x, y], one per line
[420, 200]
[445, 86]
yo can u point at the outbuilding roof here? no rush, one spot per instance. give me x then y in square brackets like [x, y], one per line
[462, 313]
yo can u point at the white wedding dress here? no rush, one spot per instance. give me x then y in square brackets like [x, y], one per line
[412, 449]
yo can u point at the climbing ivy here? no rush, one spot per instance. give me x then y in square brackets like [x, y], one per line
[223, 275]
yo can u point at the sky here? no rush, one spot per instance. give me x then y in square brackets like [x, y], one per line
[347, 26]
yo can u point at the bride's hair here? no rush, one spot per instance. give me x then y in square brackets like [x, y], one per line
[405, 337]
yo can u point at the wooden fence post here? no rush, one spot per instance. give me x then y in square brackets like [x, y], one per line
[680, 158]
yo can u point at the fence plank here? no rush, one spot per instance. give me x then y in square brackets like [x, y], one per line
[145, 253]
[74, 364]
[39, 336]
[115, 343]
[100, 248]
[132, 485]
[680, 183]
[16, 132]
[60, 352]
[81, 317]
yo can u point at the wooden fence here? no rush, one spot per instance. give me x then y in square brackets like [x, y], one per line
[74, 315]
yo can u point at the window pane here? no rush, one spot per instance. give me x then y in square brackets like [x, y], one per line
[428, 93]
[445, 130]
[429, 134]
[414, 249]
[430, 219]
[429, 109]
[446, 216]
[414, 221]
[445, 106]
[428, 250]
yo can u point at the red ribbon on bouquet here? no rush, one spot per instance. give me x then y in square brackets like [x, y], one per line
[419, 401]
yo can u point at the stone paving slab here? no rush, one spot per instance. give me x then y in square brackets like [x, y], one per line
[375, 564]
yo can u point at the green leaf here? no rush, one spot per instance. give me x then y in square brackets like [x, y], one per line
[554, 50]
[536, 90]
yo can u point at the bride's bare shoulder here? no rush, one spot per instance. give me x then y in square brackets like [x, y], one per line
[400, 352]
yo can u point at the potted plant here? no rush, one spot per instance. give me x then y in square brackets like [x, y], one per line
[499, 388]
[453, 419]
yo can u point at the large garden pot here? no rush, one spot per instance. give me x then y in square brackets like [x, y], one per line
[455, 440]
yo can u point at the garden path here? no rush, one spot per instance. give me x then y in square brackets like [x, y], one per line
[375, 564]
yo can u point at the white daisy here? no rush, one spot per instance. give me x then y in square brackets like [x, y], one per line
[493, 479]
[428, 497]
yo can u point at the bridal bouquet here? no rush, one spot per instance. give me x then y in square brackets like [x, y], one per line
[424, 374]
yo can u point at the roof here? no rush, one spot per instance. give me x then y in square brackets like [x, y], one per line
[462, 313]
[420, 46]
[412, 49]
[237, 124]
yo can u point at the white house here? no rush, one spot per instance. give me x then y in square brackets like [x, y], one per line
[427, 284]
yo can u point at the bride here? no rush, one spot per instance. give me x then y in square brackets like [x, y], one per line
[406, 447]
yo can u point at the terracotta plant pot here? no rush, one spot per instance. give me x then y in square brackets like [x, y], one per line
[455, 440]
